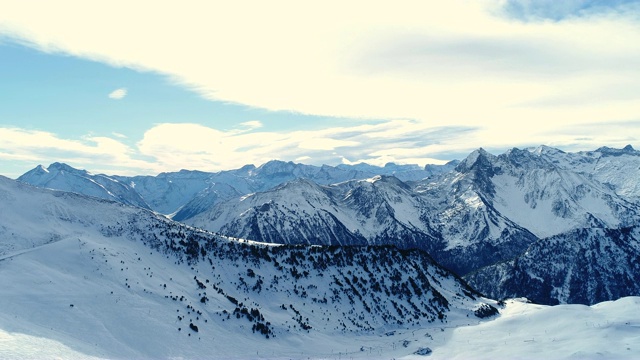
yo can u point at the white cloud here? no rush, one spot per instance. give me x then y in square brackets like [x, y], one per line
[176, 146]
[32, 147]
[118, 94]
[170, 147]
[119, 135]
[251, 125]
[447, 63]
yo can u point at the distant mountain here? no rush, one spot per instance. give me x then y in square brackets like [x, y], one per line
[122, 282]
[381, 210]
[249, 179]
[298, 212]
[186, 193]
[491, 208]
[619, 168]
[63, 177]
[166, 193]
[205, 199]
[583, 266]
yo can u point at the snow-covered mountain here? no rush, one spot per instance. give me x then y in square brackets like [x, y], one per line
[490, 208]
[533, 192]
[298, 212]
[249, 179]
[90, 278]
[63, 177]
[483, 210]
[109, 280]
[619, 168]
[380, 210]
[583, 266]
[186, 193]
[486, 210]
[166, 193]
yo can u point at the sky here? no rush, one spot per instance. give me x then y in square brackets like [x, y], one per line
[144, 87]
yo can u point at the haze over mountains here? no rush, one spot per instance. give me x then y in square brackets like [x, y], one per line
[551, 226]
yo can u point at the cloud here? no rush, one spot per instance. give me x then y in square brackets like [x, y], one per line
[193, 146]
[540, 10]
[170, 147]
[468, 66]
[251, 125]
[31, 147]
[118, 94]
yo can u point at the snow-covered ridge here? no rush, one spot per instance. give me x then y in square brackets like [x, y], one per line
[63, 177]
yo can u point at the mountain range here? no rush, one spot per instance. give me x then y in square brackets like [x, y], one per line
[474, 216]
[297, 261]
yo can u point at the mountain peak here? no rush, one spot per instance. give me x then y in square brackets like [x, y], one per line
[607, 151]
[39, 176]
[477, 157]
[58, 166]
[545, 150]
[387, 179]
[275, 166]
[299, 183]
[527, 159]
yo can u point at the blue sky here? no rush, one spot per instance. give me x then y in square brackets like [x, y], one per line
[212, 86]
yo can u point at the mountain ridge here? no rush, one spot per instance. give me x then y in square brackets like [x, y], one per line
[483, 210]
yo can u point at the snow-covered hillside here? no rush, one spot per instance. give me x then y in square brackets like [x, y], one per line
[88, 278]
[99, 278]
[298, 212]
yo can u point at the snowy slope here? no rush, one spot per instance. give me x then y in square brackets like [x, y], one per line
[249, 179]
[549, 199]
[63, 177]
[205, 200]
[102, 279]
[609, 330]
[473, 231]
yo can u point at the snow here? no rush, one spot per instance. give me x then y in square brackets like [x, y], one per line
[523, 331]
[528, 331]
[373, 179]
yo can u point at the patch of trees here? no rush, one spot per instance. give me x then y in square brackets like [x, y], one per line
[485, 311]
